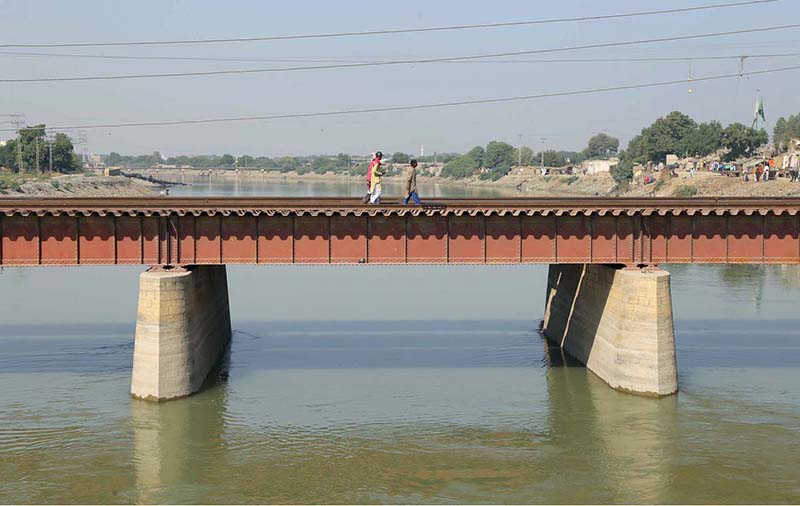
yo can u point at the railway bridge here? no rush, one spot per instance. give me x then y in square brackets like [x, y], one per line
[608, 304]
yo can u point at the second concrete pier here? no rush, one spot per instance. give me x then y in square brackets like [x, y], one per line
[616, 321]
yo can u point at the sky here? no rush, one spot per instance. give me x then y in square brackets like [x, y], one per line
[550, 123]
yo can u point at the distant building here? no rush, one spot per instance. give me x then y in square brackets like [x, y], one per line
[95, 162]
[599, 166]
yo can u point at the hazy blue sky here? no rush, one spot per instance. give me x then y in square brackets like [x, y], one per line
[566, 122]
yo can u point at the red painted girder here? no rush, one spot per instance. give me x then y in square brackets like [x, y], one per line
[264, 239]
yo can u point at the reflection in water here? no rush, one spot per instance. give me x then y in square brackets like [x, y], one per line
[219, 186]
[624, 442]
[176, 444]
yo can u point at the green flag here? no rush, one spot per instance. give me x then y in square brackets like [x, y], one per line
[759, 111]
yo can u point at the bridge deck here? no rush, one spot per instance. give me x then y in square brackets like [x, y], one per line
[176, 230]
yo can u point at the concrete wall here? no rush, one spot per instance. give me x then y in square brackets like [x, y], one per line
[616, 321]
[183, 327]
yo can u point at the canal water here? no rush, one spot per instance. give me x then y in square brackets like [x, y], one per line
[423, 384]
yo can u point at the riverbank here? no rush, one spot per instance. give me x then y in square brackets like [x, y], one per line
[73, 185]
[527, 182]
[521, 182]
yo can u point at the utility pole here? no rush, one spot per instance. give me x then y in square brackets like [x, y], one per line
[519, 152]
[542, 153]
[36, 139]
[50, 139]
[18, 121]
[83, 141]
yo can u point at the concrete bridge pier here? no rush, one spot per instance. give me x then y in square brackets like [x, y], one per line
[182, 329]
[617, 321]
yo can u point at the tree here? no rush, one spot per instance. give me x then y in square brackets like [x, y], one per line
[34, 148]
[551, 158]
[601, 146]
[344, 161]
[8, 155]
[704, 140]
[666, 135]
[741, 140]
[478, 154]
[524, 156]
[399, 157]
[460, 167]
[622, 172]
[499, 154]
[245, 161]
[573, 156]
[114, 159]
[227, 160]
[63, 154]
[786, 130]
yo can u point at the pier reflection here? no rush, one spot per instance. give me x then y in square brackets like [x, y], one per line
[619, 445]
[176, 444]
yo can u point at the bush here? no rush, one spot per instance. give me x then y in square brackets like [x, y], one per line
[571, 179]
[685, 191]
[11, 182]
[622, 172]
[621, 187]
[463, 166]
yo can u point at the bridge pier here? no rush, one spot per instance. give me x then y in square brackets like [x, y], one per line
[183, 327]
[616, 321]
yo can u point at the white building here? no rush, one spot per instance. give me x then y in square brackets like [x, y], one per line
[599, 166]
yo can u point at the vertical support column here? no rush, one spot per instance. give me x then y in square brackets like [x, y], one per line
[183, 327]
[616, 321]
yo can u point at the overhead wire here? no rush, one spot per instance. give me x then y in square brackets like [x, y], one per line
[415, 107]
[395, 62]
[378, 60]
[390, 31]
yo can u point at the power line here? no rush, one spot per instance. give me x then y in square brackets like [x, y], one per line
[376, 60]
[18, 120]
[420, 106]
[395, 31]
[394, 62]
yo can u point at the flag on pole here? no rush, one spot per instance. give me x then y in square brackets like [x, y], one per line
[759, 111]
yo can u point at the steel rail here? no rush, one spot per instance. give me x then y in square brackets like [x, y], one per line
[390, 203]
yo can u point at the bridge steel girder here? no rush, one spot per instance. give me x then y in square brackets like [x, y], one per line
[494, 235]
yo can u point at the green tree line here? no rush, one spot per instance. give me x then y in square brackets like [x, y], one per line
[676, 133]
[30, 152]
[496, 159]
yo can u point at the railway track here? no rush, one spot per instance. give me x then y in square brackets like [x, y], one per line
[338, 205]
